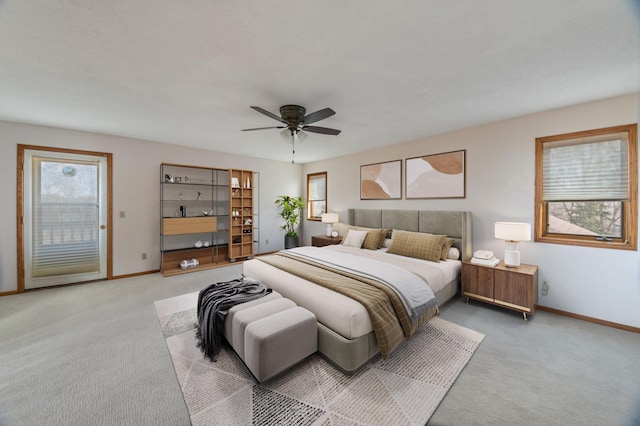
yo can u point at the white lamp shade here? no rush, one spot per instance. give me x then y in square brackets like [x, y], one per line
[512, 231]
[330, 218]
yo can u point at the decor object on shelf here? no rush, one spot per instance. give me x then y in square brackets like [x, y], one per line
[512, 233]
[381, 181]
[198, 244]
[492, 261]
[330, 219]
[484, 257]
[436, 176]
[189, 263]
[291, 211]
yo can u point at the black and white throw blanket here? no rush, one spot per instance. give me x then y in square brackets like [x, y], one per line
[214, 303]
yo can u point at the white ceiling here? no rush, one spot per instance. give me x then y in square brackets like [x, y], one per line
[186, 72]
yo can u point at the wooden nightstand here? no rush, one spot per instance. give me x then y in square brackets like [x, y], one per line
[513, 288]
[323, 240]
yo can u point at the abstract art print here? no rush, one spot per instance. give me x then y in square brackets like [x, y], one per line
[436, 176]
[381, 181]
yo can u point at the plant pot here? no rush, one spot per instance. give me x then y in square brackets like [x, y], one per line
[291, 242]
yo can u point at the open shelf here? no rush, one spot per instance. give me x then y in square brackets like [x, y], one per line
[205, 204]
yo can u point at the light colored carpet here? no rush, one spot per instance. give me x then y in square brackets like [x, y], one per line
[404, 389]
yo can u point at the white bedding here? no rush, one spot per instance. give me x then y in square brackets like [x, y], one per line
[340, 313]
[416, 297]
[436, 274]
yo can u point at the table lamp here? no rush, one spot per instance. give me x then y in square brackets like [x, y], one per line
[329, 219]
[512, 233]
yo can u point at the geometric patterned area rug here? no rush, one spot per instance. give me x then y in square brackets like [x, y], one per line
[406, 388]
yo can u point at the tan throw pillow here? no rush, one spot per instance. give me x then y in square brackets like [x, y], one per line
[416, 244]
[354, 238]
[448, 242]
[375, 238]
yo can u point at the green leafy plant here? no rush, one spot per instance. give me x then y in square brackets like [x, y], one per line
[291, 211]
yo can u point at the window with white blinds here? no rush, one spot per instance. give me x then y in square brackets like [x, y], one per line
[587, 188]
[66, 221]
[316, 195]
[590, 168]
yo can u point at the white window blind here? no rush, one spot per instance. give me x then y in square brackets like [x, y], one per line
[586, 169]
[65, 236]
[317, 188]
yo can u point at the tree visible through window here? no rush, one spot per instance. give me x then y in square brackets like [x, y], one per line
[586, 188]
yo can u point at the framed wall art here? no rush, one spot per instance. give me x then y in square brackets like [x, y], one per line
[381, 181]
[436, 176]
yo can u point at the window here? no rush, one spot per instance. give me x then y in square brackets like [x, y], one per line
[316, 195]
[587, 188]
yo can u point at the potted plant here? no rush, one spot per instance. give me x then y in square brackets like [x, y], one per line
[291, 211]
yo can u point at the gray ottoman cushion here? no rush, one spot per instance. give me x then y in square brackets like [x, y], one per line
[244, 317]
[276, 342]
[242, 306]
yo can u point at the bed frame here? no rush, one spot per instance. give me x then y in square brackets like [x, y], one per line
[349, 355]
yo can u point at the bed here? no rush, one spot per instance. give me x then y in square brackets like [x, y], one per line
[345, 332]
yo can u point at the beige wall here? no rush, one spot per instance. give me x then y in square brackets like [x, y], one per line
[136, 189]
[599, 283]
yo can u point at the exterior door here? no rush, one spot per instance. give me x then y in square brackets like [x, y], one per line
[65, 213]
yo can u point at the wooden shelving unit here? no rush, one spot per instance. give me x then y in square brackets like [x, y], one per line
[194, 207]
[241, 217]
[214, 207]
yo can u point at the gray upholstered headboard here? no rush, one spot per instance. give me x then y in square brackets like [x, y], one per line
[455, 224]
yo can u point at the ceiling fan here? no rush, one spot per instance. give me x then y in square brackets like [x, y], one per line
[296, 123]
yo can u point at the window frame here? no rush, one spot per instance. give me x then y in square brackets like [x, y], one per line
[629, 240]
[311, 176]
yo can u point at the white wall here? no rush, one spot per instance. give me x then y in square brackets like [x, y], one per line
[599, 283]
[136, 189]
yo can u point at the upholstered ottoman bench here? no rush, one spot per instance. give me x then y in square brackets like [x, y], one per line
[271, 334]
[276, 342]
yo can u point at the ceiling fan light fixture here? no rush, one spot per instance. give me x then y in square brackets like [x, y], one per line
[286, 135]
[296, 121]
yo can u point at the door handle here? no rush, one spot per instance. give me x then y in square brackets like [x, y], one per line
[102, 227]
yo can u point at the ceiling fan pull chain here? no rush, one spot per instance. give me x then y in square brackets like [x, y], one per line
[293, 146]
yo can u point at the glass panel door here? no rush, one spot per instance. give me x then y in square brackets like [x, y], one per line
[65, 206]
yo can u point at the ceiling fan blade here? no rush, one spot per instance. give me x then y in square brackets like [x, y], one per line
[263, 128]
[318, 115]
[323, 130]
[268, 114]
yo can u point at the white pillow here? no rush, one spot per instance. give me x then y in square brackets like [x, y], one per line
[386, 243]
[354, 238]
[454, 253]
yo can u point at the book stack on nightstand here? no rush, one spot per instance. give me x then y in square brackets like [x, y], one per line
[484, 257]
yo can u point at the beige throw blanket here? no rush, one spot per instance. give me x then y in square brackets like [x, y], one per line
[389, 318]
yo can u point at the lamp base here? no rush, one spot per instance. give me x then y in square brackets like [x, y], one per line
[329, 230]
[512, 258]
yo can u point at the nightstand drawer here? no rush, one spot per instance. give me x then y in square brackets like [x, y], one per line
[323, 240]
